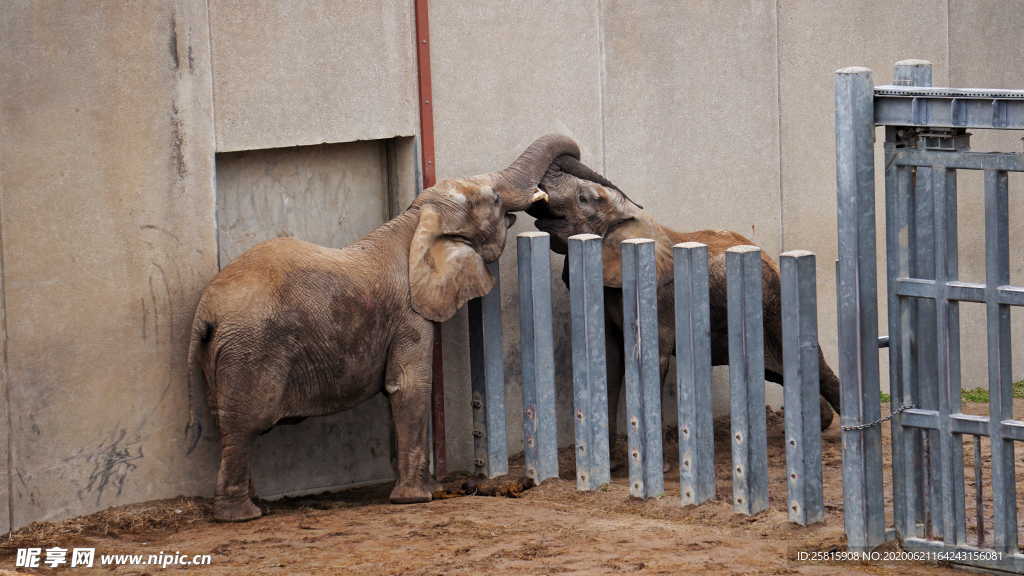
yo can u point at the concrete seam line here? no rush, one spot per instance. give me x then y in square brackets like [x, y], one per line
[6, 380]
[778, 118]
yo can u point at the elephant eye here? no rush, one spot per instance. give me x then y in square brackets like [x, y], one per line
[581, 197]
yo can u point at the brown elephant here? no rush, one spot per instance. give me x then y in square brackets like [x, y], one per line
[582, 201]
[291, 329]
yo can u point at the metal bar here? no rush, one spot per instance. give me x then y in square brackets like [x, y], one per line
[1012, 295]
[642, 373]
[909, 458]
[693, 373]
[912, 72]
[949, 107]
[920, 418]
[487, 377]
[1008, 161]
[746, 379]
[896, 227]
[925, 343]
[589, 372]
[997, 273]
[1013, 430]
[948, 463]
[955, 290]
[979, 491]
[961, 423]
[540, 442]
[427, 169]
[914, 287]
[800, 361]
[864, 515]
[965, 291]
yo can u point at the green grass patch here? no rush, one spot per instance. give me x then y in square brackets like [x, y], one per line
[980, 395]
[975, 395]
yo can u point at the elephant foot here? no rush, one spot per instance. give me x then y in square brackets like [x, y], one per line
[235, 509]
[411, 494]
[826, 415]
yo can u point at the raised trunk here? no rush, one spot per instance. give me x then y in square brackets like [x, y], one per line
[516, 183]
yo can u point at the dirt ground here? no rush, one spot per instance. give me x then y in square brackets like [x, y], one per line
[550, 529]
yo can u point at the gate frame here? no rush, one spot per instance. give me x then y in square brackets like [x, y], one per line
[913, 108]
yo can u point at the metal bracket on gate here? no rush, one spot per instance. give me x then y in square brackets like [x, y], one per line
[930, 138]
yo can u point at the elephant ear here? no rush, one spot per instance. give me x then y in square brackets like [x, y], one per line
[444, 272]
[611, 251]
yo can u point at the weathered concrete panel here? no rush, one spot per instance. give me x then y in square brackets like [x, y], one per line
[987, 60]
[504, 74]
[298, 73]
[691, 122]
[331, 195]
[106, 159]
[815, 39]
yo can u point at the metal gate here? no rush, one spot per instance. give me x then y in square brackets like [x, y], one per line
[926, 142]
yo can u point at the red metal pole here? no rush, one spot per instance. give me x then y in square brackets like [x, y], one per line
[429, 177]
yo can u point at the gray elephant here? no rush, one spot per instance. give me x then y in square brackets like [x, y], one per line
[582, 201]
[291, 329]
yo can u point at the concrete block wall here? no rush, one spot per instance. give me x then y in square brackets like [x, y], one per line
[106, 161]
[712, 114]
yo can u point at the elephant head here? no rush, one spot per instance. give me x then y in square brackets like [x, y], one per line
[580, 201]
[463, 224]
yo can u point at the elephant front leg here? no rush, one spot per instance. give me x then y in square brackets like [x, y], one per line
[232, 501]
[408, 386]
[615, 368]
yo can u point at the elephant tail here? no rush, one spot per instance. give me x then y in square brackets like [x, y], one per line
[202, 332]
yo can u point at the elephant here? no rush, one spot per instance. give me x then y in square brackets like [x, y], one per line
[291, 330]
[580, 200]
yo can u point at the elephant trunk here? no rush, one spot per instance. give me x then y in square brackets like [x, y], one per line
[516, 183]
[573, 166]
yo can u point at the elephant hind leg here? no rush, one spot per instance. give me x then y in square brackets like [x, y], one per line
[232, 501]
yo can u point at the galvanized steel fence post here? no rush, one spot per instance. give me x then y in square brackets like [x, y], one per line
[589, 371]
[906, 318]
[487, 375]
[864, 515]
[802, 389]
[642, 372]
[997, 273]
[540, 442]
[746, 379]
[693, 373]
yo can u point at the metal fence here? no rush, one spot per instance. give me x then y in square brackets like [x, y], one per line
[926, 142]
[642, 373]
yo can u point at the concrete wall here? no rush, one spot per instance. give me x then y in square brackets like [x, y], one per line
[106, 160]
[108, 226]
[297, 73]
[712, 114]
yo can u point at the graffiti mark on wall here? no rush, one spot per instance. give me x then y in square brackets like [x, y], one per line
[111, 463]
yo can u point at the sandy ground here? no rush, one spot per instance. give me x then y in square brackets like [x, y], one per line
[550, 529]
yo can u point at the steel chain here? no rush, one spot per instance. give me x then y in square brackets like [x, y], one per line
[883, 419]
